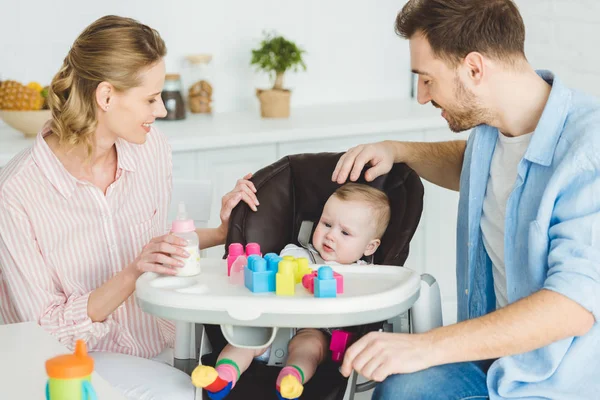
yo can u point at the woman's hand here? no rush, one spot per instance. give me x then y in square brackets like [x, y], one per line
[158, 256]
[244, 190]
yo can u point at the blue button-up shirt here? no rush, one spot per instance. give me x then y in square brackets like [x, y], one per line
[552, 241]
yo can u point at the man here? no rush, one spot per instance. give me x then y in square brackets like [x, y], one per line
[528, 239]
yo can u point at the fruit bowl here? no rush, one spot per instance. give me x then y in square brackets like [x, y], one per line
[29, 123]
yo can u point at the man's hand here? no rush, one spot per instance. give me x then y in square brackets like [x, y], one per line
[380, 354]
[379, 155]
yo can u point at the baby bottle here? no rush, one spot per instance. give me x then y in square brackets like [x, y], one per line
[185, 229]
[69, 376]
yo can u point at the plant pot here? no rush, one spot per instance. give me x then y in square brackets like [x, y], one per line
[274, 103]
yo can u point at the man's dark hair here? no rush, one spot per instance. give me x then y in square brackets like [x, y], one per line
[454, 28]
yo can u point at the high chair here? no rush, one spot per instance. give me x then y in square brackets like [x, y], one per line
[292, 193]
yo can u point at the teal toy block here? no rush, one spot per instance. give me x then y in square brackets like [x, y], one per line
[325, 283]
[272, 261]
[257, 278]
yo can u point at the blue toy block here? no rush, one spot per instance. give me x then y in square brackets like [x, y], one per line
[272, 261]
[325, 283]
[257, 278]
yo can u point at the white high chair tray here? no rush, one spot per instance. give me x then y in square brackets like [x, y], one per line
[371, 293]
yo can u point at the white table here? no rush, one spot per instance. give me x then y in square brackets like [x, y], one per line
[24, 349]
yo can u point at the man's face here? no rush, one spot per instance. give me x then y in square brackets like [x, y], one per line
[442, 85]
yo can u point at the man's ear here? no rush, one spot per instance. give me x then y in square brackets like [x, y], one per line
[372, 247]
[475, 64]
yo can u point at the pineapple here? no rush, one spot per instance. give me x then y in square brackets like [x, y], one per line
[14, 96]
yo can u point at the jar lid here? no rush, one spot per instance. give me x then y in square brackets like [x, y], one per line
[172, 77]
[71, 366]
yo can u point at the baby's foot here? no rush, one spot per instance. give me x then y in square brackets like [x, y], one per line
[208, 378]
[290, 388]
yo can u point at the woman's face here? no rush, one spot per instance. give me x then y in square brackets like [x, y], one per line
[131, 113]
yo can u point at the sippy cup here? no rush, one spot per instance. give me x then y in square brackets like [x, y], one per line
[185, 229]
[69, 376]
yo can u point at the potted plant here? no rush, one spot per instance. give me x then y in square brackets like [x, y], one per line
[276, 55]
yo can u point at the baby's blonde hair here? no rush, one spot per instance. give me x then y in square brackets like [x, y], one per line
[112, 49]
[375, 198]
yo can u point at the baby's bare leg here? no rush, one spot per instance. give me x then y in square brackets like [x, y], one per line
[242, 357]
[307, 350]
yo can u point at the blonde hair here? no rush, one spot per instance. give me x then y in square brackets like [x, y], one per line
[112, 49]
[377, 200]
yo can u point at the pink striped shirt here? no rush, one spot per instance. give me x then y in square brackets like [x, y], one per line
[61, 238]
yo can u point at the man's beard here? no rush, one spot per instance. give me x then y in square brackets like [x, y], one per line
[468, 114]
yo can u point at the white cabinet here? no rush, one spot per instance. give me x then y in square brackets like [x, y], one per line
[224, 167]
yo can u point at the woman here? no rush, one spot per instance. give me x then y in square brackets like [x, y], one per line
[83, 212]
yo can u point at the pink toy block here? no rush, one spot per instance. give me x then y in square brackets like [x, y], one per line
[235, 250]
[339, 343]
[253, 248]
[236, 276]
[308, 281]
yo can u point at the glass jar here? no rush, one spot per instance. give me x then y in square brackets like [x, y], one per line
[201, 90]
[172, 98]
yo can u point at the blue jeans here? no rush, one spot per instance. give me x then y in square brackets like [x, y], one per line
[462, 381]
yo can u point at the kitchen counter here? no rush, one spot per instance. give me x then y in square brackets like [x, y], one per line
[235, 129]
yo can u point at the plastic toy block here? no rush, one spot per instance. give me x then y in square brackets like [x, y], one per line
[235, 250]
[257, 278]
[207, 377]
[325, 283]
[285, 282]
[289, 258]
[340, 340]
[308, 281]
[220, 395]
[302, 269]
[272, 261]
[236, 275]
[253, 248]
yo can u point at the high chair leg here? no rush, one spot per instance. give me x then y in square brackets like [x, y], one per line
[351, 387]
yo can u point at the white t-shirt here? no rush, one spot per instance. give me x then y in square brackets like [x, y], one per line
[297, 251]
[503, 174]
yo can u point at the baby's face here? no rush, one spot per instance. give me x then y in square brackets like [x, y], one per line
[346, 231]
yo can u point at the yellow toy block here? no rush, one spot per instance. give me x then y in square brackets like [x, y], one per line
[302, 270]
[284, 280]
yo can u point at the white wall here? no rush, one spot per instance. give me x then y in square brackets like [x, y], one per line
[561, 36]
[353, 52]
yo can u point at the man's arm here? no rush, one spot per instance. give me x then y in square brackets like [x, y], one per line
[439, 162]
[530, 323]
[533, 322]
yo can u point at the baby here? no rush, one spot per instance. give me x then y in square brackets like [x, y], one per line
[353, 221]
